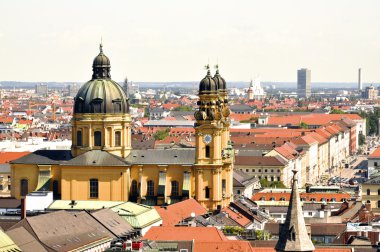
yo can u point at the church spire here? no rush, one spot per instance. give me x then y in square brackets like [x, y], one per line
[293, 233]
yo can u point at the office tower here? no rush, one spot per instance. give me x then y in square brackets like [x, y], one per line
[360, 85]
[303, 83]
[41, 89]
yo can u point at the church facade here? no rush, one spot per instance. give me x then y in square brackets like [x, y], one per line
[101, 164]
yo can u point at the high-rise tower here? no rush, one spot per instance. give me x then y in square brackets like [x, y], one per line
[303, 83]
[360, 84]
[214, 156]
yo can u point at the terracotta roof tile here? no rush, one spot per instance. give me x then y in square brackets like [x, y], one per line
[6, 157]
[173, 214]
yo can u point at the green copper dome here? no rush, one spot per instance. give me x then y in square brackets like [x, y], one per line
[101, 94]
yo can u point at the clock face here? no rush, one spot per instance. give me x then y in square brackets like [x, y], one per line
[207, 139]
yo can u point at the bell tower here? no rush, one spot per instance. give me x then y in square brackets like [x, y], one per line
[213, 158]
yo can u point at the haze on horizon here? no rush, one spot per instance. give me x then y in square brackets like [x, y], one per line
[49, 40]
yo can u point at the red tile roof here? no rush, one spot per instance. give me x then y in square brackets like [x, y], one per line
[173, 214]
[6, 157]
[308, 196]
[225, 246]
[202, 234]
[375, 154]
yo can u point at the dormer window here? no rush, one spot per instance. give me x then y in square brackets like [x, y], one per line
[116, 105]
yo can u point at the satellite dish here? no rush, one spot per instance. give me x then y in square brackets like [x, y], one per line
[192, 214]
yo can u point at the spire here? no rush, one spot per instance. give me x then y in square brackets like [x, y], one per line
[293, 233]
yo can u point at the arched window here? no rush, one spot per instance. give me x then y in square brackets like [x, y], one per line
[23, 187]
[134, 189]
[175, 188]
[150, 188]
[207, 192]
[368, 191]
[94, 188]
[117, 138]
[79, 138]
[207, 154]
[98, 138]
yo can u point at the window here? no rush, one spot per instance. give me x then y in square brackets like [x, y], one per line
[79, 138]
[272, 178]
[175, 188]
[238, 192]
[23, 187]
[266, 170]
[278, 170]
[253, 170]
[98, 138]
[117, 138]
[278, 178]
[207, 151]
[310, 213]
[333, 199]
[262, 198]
[207, 192]
[223, 186]
[378, 204]
[272, 171]
[282, 199]
[134, 189]
[9, 187]
[272, 199]
[150, 189]
[259, 170]
[1, 187]
[375, 164]
[313, 199]
[246, 170]
[368, 191]
[378, 191]
[94, 188]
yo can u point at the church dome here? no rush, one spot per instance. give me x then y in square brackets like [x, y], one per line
[207, 84]
[220, 82]
[101, 94]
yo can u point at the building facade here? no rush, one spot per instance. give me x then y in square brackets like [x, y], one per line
[102, 165]
[303, 83]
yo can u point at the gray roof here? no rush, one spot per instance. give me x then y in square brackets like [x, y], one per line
[165, 123]
[113, 222]
[64, 231]
[97, 158]
[185, 156]
[241, 107]
[45, 157]
[242, 179]
[25, 240]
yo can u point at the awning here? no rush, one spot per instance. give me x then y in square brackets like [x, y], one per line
[161, 184]
[186, 184]
[44, 179]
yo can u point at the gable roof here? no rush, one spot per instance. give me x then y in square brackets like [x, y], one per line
[113, 222]
[173, 214]
[6, 157]
[96, 158]
[63, 231]
[25, 240]
[210, 234]
[45, 157]
[167, 156]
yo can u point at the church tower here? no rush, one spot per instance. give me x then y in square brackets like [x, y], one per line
[294, 233]
[101, 119]
[213, 157]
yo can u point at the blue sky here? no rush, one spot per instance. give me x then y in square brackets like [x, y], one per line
[172, 40]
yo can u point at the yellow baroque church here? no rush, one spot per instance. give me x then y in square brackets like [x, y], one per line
[101, 164]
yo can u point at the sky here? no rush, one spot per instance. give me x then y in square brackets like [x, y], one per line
[51, 40]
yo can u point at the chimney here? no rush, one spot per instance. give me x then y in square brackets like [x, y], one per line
[23, 208]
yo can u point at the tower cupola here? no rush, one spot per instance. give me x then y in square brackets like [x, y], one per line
[207, 84]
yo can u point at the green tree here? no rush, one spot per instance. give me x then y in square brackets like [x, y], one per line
[304, 125]
[361, 139]
[263, 235]
[161, 134]
[337, 111]
[183, 108]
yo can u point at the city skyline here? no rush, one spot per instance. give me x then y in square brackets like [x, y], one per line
[170, 41]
